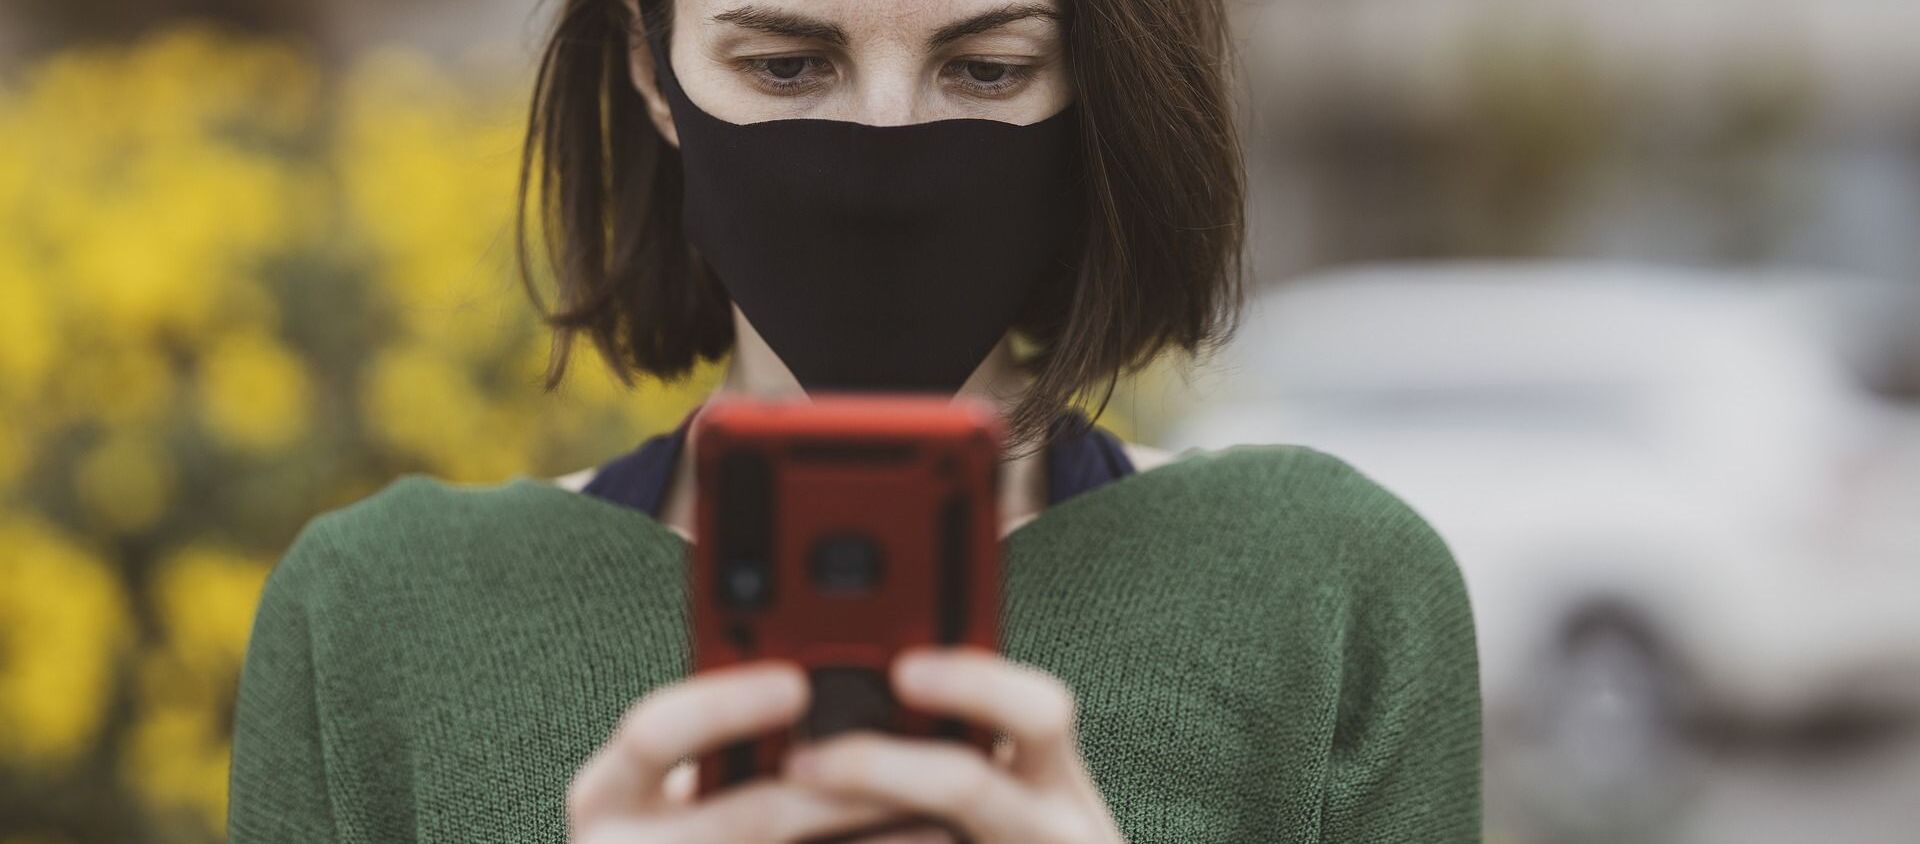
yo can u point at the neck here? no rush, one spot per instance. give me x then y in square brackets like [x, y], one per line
[753, 370]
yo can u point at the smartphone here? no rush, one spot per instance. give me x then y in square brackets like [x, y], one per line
[834, 531]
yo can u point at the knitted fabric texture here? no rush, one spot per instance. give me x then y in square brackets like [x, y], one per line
[1265, 645]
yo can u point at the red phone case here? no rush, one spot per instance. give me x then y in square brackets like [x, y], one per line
[835, 532]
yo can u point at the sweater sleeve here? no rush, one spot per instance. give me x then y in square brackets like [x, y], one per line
[1404, 764]
[277, 786]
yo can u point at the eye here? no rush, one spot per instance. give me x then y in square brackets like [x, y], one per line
[979, 76]
[986, 71]
[802, 74]
[786, 67]
[784, 74]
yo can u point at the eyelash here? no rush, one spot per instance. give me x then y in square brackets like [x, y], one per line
[1014, 76]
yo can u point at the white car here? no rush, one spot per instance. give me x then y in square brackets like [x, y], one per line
[1690, 534]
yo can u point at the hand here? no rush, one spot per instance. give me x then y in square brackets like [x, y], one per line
[631, 792]
[1036, 791]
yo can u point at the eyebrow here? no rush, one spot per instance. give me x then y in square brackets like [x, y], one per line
[990, 20]
[778, 22]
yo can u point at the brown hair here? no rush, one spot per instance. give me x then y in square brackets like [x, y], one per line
[1160, 261]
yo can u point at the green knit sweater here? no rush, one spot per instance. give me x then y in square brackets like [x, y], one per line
[1266, 646]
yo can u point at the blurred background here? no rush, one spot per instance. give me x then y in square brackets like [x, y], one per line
[1623, 296]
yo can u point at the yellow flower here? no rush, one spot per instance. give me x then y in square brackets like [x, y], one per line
[115, 382]
[177, 757]
[125, 480]
[205, 597]
[28, 341]
[426, 406]
[428, 171]
[63, 627]
[157, 182]
[16, 453]
[160, 206]
[254, 394]
[590, 394]
[178, 751]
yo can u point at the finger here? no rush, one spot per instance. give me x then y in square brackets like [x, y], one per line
[682, 783]
[685, 719]
[1032, 707]
[769, 811]
[1002, 750]
[920, 833]
[909, 829]
[930, 776]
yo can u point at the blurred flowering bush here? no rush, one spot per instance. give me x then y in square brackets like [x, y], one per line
[237, 288]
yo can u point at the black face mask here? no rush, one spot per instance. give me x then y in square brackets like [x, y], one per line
[879, 257]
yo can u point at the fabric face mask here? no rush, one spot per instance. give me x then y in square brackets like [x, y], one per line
[878, 257]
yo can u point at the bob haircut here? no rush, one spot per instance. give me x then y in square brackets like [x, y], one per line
[1160, 259]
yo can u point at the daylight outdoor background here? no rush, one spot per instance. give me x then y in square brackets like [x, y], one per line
[1623, 296]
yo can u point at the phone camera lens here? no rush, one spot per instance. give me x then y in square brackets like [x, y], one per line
[846, 564]
[747, 584]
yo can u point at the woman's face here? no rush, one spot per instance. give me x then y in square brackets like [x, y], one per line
[879, 62]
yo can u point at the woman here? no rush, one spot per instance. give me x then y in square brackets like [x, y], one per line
[1254, 644]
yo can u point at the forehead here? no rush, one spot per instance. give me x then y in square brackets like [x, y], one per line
[862, 20]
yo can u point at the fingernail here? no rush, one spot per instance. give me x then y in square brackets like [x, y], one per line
[793, 685]
[918, 674]
[784, 682]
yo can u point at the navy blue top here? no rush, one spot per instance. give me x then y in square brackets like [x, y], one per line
[1080, 458]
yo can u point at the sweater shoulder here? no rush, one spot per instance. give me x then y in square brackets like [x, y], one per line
[417, 501]
[422, 532]
[1301, 489]
[1397, 608]
[1284, 473]
[1306, 504]
[421, 518]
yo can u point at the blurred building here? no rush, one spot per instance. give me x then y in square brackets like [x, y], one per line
[1708, 132]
